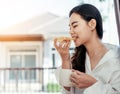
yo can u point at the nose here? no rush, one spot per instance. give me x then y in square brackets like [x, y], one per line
[71, 31]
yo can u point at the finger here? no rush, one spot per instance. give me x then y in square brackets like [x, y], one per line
[58, 45]
[73, 70]
[73, 80]
[62, 44]
[78, 85]
[55, 43]
[67, 45]
[74, 84]
[78, 72]
[74, 74]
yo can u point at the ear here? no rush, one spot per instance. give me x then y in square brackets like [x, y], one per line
[92, 24]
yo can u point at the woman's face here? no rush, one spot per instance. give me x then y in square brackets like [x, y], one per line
[79, 29]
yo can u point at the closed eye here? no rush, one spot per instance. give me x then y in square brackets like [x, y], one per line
[74, 26]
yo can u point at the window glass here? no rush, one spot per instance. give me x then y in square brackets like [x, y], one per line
[30, 63]
[22, 60]
[15, 62]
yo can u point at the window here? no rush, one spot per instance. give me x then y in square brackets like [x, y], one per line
[23, 59]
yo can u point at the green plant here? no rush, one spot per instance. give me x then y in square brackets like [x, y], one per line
[53, 87]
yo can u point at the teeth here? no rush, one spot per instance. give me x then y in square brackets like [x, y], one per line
[75, 37]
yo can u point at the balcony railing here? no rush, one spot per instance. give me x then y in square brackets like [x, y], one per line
[28, 79]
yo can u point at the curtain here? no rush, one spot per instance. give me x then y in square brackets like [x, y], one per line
[117, 14]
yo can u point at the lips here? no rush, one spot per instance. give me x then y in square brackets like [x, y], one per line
[75, 37]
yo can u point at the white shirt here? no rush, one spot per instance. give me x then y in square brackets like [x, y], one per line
[107, 72]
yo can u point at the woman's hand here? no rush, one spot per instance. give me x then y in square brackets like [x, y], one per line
[63, 50]
[81, 80]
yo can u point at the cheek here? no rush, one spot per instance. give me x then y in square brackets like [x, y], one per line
[85, 32]
[84, 36]
[87, 35]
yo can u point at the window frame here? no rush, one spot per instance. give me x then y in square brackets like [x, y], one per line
[37, 46]
[23, 65]
[117, 14]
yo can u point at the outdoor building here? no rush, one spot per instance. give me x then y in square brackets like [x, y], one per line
[27, 51]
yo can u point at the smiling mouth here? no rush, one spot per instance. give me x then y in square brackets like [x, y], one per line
[75, 37]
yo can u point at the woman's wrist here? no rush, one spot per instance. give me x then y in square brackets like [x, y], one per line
[66, 65]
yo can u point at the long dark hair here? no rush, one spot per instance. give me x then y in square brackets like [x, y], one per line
[87, 12]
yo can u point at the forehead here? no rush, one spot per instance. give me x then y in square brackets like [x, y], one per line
[75, 17]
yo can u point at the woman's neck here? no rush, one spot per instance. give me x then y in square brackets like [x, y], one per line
[95, 48]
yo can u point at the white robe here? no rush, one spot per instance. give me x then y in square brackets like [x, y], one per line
[107, 72]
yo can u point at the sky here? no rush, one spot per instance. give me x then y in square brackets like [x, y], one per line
[16, 11]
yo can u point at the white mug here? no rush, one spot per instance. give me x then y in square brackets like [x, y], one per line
[64, 77]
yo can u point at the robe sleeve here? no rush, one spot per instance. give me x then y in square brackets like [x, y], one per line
[63, 90]
[113, 87]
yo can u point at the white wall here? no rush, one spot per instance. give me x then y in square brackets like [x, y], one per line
[6, 46]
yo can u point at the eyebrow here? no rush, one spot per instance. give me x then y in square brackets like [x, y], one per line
[73, 22]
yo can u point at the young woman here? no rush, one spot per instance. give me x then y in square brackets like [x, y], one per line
[95, 65]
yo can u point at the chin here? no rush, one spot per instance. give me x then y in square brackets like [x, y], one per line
[77, 45]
